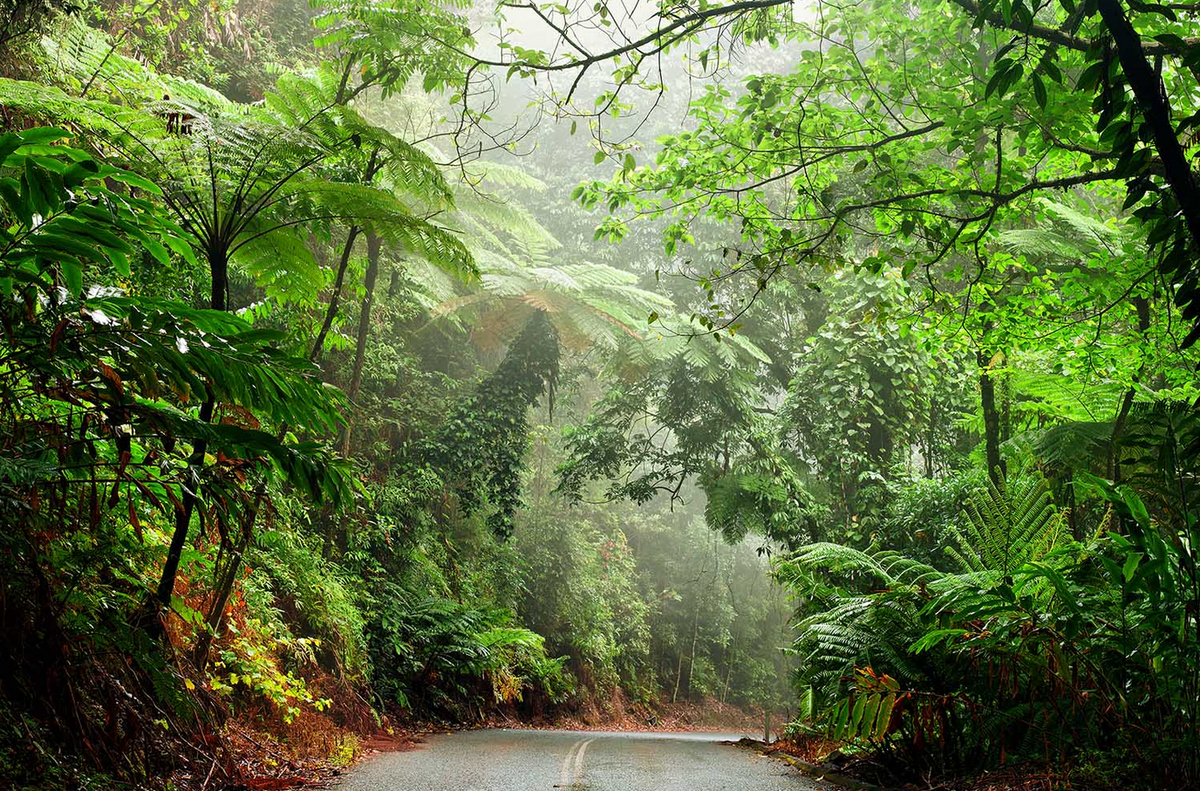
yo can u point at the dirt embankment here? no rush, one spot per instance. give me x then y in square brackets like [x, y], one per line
[618, 713]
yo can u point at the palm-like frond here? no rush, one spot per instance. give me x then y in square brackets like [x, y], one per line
[371, 32]
[1007, 525]
[1060, 398]
[1070, 235]
[310, 102]
[587, 303]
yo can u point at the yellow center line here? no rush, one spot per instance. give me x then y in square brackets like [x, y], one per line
[564, 776]
[578, 779]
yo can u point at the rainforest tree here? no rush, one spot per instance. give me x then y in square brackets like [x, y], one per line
[835, 358]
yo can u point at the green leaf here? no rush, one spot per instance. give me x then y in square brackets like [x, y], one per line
[885, 716]
[1039, 90]
[1136, 507]
[1131, 564]
[72, 272]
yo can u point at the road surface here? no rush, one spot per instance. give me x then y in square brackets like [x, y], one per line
[521, 760]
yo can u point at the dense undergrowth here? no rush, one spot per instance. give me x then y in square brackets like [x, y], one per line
[321, 419]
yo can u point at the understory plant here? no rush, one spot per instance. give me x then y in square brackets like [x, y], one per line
[1032, 647]
[453, 660]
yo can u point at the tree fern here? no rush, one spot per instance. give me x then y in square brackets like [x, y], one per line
[1007, 525]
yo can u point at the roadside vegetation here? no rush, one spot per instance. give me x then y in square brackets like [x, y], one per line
[369, 366]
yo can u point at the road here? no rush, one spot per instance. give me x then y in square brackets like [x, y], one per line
[522, 760]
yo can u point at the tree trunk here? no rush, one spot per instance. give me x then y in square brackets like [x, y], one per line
[374, 247]
[678, 676]
[931, 438]
[1114, 457]
[1151, 96]
[183, 518]
[692, 658]
[373, 167]
[991, 418]
[218, 267]
[1156, 110]
[334, 299]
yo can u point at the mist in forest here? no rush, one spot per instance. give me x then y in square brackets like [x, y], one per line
[373, 368]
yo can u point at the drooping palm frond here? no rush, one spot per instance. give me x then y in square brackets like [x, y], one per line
[1058, 397]
[675, 337]
[310, 102]
[501, 225]
[1077, 445]
[587, 303]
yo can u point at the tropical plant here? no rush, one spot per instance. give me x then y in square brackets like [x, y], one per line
[466, 650]
[105, 419]
[879, 638]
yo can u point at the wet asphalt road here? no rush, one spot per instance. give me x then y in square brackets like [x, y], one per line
[520, 760]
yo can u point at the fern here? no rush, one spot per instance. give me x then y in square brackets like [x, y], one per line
[1007, 525]
[886, 615]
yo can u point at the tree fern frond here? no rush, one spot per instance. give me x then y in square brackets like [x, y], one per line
[1007, 525]
[282, 265]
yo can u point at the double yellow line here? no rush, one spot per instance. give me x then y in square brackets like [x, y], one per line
[571, 775]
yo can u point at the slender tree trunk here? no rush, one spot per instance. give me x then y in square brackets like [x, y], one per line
[373, 166]
[218, 266]
[183, 518]
[931, 438]
[678, 676]
[374, 247]
[692, 658]
[336, 298]
[1072, 517]
[1114, 455]
[335, 535]
[991, 418]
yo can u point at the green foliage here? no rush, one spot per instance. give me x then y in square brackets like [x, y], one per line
[323, 597]
[916, 327]
[250, 661]
[137, 360]
[483, 443]
[1006, 526]
[976, 664]
[441, 656]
